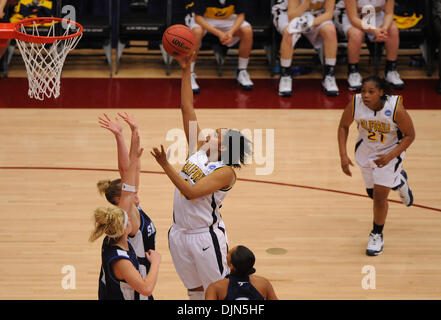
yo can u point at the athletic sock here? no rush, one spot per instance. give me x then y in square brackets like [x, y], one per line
[352, 68]
[377, 229]
[285, 66]
[329, 70]
[243, 63]
[391, 65]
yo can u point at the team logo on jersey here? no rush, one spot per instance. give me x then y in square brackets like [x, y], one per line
[211, 167]
[388, 113]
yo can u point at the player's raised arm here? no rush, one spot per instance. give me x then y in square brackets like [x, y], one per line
[219, 179]
[116, 128]
[133, 127]
[190, 122]
[128, 189]
[343, 131]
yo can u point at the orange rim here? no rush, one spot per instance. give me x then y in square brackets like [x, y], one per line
[44, 39]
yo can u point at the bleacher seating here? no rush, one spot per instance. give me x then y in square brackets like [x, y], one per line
[96, 18]
[140, 22]
[113, 24]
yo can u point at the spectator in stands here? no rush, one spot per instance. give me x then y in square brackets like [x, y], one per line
[379, 26]
[2, 8]
[226, 20]
[437, 25]
[4, 46]
[313, 19]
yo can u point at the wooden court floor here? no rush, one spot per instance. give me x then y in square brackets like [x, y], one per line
[51, 159]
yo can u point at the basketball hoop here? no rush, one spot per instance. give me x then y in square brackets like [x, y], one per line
[44, 44]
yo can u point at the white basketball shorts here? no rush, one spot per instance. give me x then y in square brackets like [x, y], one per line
[199, 256]
[281, 22]
[346, 24]
[222, 24]
[388, 176]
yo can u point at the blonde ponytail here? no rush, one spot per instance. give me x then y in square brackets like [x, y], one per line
[110, 188]
[103, 186]
[108, 221]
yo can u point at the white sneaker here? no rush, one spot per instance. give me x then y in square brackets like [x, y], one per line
[355, 81]
[330, 85]
[375, 245]
[194, 84]
[243, 78]
[393, 78]
[285, 86]
[404, 190]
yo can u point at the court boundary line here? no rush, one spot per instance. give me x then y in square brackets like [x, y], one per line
[284, 184]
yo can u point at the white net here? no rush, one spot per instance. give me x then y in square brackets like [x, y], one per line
[44, 61]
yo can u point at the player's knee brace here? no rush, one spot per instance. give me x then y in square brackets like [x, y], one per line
[196, 295]
[370, 193]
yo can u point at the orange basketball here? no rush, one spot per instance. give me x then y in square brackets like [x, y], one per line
[178, 40]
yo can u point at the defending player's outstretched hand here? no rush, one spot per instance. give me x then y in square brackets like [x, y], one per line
[160, 156]
[301, 24]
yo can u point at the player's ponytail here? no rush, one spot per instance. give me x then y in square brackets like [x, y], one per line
[236, 148]
[111, 189]
[108, 221]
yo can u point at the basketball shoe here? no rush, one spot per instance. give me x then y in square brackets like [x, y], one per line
[393, 78]
[285, 86]
[354, 81]
[375, 245]
[330, 85]
[243, 78]
[404, 190]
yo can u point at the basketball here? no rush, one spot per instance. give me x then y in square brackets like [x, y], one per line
[178, 40]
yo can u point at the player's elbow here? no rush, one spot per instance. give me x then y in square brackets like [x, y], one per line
[411, 136]
[147, 292]
[190, 195]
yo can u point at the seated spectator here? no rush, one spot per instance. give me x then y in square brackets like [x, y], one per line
[241, 284]
[32, 9]
[379, 26]
[226, 20]
[4, 45]
[313, 19]
[2, 8]
[437, 24]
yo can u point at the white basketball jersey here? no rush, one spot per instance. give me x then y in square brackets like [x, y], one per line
[204, 211]
[316, 6]
[374, 3]
[377, 130]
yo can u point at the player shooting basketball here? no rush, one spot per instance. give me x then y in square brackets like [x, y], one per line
[197, 238]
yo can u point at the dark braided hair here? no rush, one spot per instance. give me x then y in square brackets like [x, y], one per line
[380, 84]
[236, 148]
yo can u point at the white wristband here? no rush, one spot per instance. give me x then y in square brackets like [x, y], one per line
[129, 188]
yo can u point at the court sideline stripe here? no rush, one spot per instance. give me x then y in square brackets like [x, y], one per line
[283, 184]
